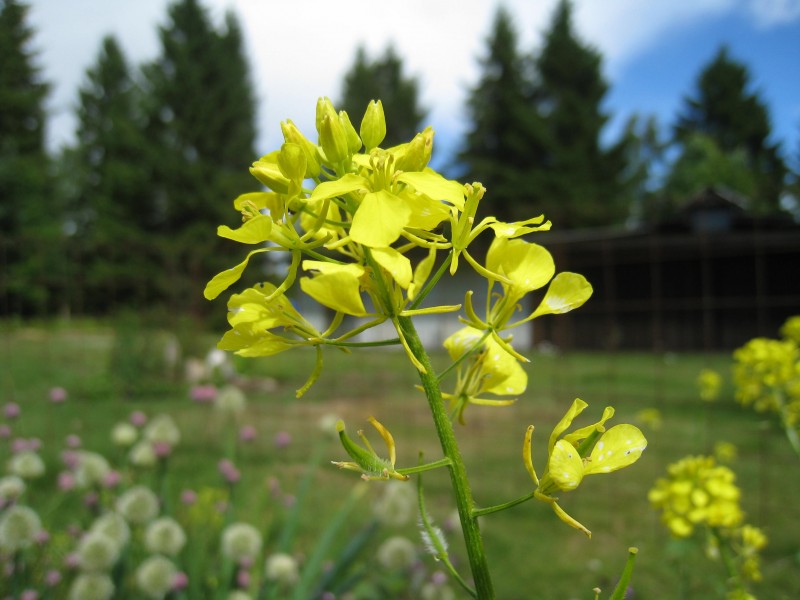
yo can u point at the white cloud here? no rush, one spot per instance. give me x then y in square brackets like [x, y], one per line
[300, 50]
[772, 13]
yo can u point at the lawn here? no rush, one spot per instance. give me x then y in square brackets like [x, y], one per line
[532, 554]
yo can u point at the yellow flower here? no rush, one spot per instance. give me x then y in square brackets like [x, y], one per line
[488, 370]
[586, 451]
[697, 492]
[709, 382]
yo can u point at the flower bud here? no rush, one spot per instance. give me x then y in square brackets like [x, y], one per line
[353, 141]
[417, 152]
[333, 139]
[373, 125]
[292, 135]
[267, 171]
[292, 162]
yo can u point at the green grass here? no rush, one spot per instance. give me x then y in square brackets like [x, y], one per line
[532, 554]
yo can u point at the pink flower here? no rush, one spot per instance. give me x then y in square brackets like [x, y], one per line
[243, 578]
[203, 394]
[73, 441]
[12, 410]
[283, 439]
[188, 497]
[229, 471]
[52, 578]
[138, 418]
[19, 445]
[5, 431]
[162, 449]
[247, 433]
[66, 481]
[58, 395]
[112, 479]
[71, 561]
[180, 581]
[42, 536]
[29, 595]
[70, 458]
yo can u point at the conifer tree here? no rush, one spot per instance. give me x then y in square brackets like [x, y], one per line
[26, 219]
[202, 118]
[725, 108]
[110, 197]
[503, 140]
[578, 182]
[383, 79]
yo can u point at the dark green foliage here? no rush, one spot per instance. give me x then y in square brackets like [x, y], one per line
[201, 114]
[536, 124]
[29, 278]
[579, 183]
[725, 109]
[502, 139]
[383, 79]
[109, 197]
[645, 150]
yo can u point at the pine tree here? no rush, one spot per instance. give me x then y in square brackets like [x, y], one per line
[110, 197]
[383, 79]
[504, 136]
[202, 116]
[578, 182]
[725, 109]
[26, 219]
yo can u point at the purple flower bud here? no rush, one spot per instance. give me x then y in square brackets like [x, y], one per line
[283, 439]
[52, 578]
[188, 497]
[5, 431]
[12, 410]
[112, 479]
[203, 394]
[243, 578]
[180, 581]
[58, 395]
[138, 418]
[66, 481]
[247, 433]
[73, 441]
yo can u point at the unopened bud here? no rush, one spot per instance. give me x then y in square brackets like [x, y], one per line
[353, 141]
[292, 162]
[268, 172]
[373, 125]
[417, 153]
[291, 134]
[333, 139]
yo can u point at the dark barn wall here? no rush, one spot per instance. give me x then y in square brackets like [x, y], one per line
[676, 291]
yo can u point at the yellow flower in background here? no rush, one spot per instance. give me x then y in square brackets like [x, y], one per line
[697, 492]
[710, 383]
[725, 452]
[586, 451]
[790, 330]
[650, 417]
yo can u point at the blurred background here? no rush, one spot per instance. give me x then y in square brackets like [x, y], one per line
[661, 139]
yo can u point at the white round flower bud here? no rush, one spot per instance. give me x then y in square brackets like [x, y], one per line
[397, 553]
[92, 468]
[397, 505]
[124, 434]
[97, 552]
[156, 576]
[113, 525]
[19, 526]
[26, 464]
[241, 542]
[139, 505]
[11, 488]
[143, 455]
[281, 568]
[230, 399]
[162, 430]
[164, 536]
[91, 586]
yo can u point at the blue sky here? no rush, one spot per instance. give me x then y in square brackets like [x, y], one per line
[653, 51]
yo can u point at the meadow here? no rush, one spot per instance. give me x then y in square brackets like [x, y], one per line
[110, 371]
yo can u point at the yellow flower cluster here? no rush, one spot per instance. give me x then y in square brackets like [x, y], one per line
[710, 383]
[767, 377]
[362, 226]
[697, 492]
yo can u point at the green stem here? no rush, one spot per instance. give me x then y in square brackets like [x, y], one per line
[480, 512]
[458, 472]
[432, 281]
[444, 462]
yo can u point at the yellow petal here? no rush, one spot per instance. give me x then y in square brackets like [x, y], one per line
[435, 187]
[261, 200]
[565, 466]
[267, 171]
[567, 292]
[344, 185]
[222, 281]
[421, 274]
[502, 373]
[577, 408]
[379, 219]
[252, 231]
[528, 266]
[462, 341]
[620, 446]
[578, 435]
[398, 266]
[335, 286]
[512, 230]
[251, 344]
[561, 513]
